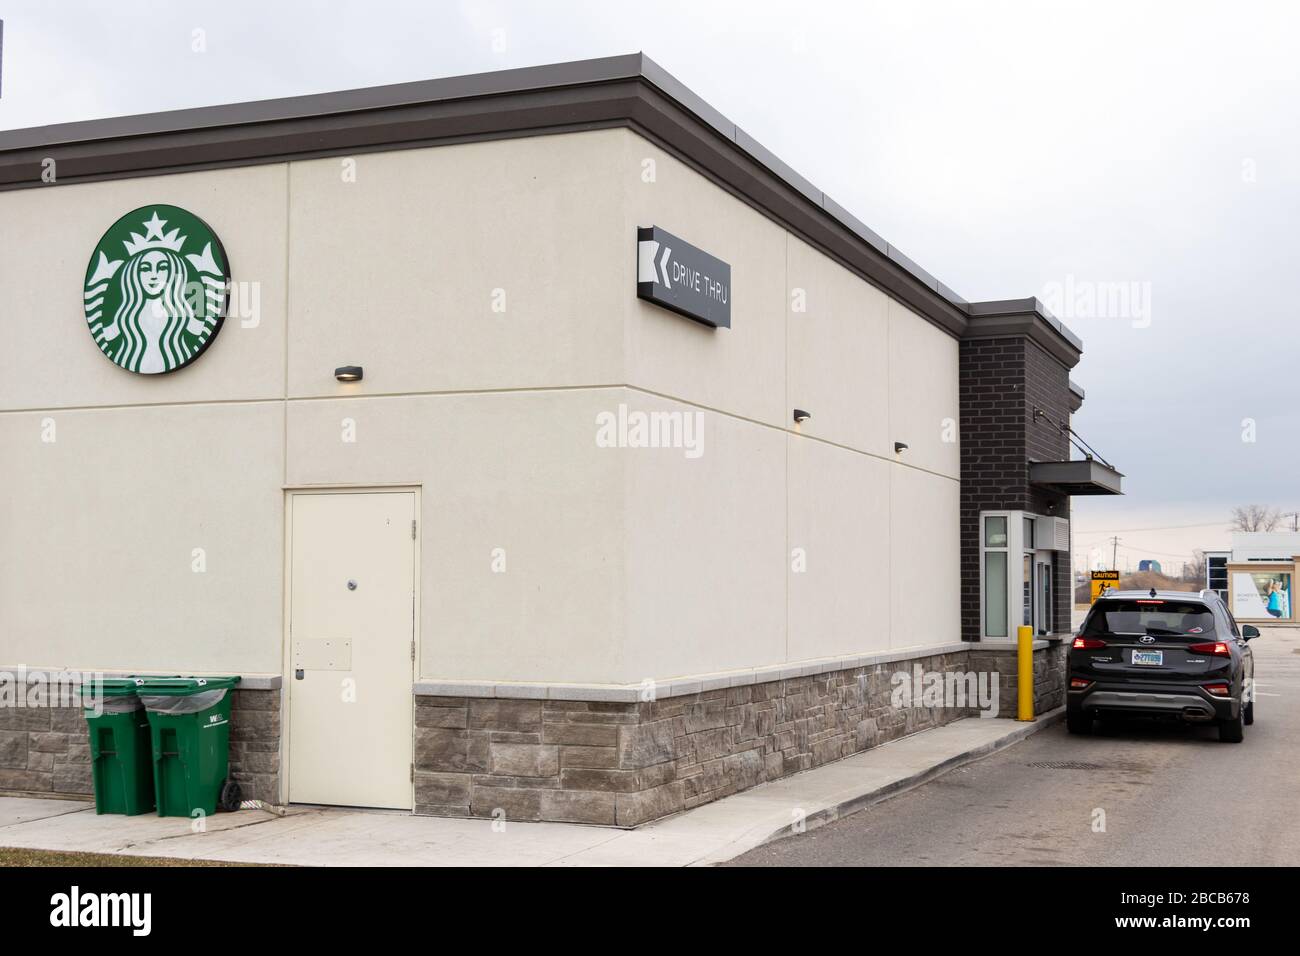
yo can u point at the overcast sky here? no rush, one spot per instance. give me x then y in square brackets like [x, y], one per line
[1146, 152]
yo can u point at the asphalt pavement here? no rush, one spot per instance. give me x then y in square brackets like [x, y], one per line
[1140, 794]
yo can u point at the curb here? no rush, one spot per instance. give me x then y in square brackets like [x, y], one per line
[851, 805]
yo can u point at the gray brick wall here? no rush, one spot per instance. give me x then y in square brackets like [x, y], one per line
[1001, 382]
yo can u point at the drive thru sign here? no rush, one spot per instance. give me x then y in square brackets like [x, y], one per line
[675, 274]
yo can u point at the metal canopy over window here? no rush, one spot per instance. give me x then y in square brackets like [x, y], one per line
[1083, 477]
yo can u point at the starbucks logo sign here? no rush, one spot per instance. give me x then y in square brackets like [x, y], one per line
[156, 289]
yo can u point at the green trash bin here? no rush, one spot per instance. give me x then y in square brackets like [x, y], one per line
[120, 764]
[189, 727]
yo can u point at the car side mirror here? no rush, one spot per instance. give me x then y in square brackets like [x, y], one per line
[1248, 631]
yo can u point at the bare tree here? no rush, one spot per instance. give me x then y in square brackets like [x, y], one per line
[1194, 570]
[1254, 518]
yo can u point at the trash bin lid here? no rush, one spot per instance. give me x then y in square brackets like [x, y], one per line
[181, 686]
[109, 687]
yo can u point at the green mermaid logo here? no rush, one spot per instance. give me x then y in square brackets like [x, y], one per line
[156, 297]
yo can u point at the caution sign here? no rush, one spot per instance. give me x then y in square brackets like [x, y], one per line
[1101, 580]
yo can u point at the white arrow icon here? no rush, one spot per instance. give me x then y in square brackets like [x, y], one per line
[646, 250]
[646, 271]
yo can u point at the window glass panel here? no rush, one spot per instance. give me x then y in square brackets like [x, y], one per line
[1179, 621]
[995, 532]
[995, 592]
[1217, 573]
[1029, 533]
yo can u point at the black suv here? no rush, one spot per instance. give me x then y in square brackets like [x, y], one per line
[1170, 654]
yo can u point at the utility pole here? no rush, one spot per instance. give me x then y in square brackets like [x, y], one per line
[1114, 548]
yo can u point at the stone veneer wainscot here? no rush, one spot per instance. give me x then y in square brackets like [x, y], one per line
[626, 763]
[614, 763]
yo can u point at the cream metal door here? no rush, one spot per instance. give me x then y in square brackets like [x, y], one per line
[351, 648]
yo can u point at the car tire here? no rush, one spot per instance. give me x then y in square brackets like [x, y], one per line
[1233, 731]
[1078, 723]
[1249, 717]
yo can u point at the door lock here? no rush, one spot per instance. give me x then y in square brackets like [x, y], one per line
[352, 585]
[299, 674]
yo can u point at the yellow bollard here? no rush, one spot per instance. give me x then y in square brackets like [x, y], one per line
[1025, 673]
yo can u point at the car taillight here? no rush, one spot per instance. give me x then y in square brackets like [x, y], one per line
[1078, 683]
[1213, 648]
[1088, 643]
[1218, 690]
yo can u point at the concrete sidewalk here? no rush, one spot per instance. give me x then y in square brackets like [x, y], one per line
[706, 835]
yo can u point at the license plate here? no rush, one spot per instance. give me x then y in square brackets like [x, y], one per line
[1149, 658]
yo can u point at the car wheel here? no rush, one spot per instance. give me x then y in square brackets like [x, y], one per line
[1078, 723]
[1233, 731]
[1249, 717]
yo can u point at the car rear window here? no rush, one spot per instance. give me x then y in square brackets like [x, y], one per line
[1161, 618]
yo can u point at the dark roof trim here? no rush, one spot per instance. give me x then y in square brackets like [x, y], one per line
[333, 104]
[1076, 396]
[1029, 317]
[631, 91]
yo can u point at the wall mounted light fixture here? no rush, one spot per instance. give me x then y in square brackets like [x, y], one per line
[349, 373]
[899, 446]
[800, 416]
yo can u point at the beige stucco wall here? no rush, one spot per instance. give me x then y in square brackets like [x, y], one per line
[99, 529]
[50, 359]
[395, 268]
[705, 548]
[621, 564]
[840, 515]
[113, 480]
[517, 471]
[870, 554]
[398, 270]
